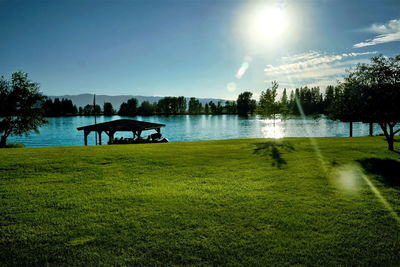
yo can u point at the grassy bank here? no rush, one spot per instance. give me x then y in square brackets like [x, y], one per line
[237, 202]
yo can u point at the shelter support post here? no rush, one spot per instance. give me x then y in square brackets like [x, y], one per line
[351, 129]
[99, 132]
[85, 135]
[371, 129]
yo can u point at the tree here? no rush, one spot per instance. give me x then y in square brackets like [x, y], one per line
[329, 98]
[97, 110]
[48, 107]
[129, 108]
[213, 107]
[21, 106]
[371, 93]
[88, 110]
[108, 109]
[57, 107]
[65, 107]
[245, 104]
[181, 105]
[146, 108]
[206, 109]
[174, 105]
[230, 107]
[268, 106]
[346, 105]
[292, 104]
[284, 105]
[216, 109]
[195, 106]
[164, 106]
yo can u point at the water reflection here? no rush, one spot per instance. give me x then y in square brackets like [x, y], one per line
[272, 129]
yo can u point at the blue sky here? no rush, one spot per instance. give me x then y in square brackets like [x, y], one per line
[191, 47]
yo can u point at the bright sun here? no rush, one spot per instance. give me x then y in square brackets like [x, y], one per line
[269, 22]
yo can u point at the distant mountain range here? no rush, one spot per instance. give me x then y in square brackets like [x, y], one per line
[84, 99]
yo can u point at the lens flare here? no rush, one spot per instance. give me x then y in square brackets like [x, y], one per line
[379, 196]
[242, 70]
[348, 179]
[231, 87]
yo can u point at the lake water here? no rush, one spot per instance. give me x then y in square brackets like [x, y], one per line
[62, 131]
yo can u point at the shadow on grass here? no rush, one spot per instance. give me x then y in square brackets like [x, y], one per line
[386, 170]
[273, 150]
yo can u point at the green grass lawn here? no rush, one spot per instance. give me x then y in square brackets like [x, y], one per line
[234, 202]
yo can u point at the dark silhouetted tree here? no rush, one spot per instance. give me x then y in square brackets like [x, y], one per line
[89, 110]
[216, 109]
[329, 98]
[147, 109]
[346, 105]
[129, 108]
[372, 94]
[268, 107]
[284, 104]
[195, 106]
[65, 107]
[230, 107]
[245, 105]
[21, 106]
[108, 109]
[206, 109]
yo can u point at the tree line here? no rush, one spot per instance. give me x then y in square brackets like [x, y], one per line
[311, 100]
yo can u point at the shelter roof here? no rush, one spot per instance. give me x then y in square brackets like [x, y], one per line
[122, 125]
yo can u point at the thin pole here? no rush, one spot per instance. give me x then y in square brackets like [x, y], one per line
[95, 120]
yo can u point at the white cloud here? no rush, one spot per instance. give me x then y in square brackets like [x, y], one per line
[389, 32]
[302, 56]
[315, 63]
[313, 68]
[390, 27]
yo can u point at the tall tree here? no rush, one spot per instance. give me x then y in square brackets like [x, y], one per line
[346, 105]
[181, 105]
[21, 106]
[244, 104]
[217, 109]
[370, 93]
[108, 109]
[206, 109]
[164, 106]
[146, 108]
[329, 98]
[195, 106]
[129, 108]
[268, 106]
[375, 88]
[213, 107]
[230, 107]
[284, 105]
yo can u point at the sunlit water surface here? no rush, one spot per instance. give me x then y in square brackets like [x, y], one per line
[62, 131]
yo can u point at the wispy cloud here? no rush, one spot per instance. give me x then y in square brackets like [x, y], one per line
[313, 68]
[316, 62]
[303, 56]
[389, 32]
